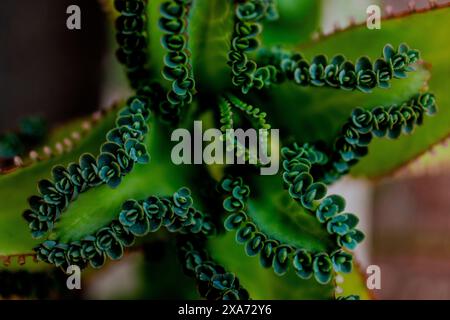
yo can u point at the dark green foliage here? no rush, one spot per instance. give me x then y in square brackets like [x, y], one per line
[253, 115]
[32, 130]
[132, 39]
[137, 219]
[11, 145]
[213, 281]
[272, 253]
[174, 22]
[298, 164]
[352, 143]
[341, 73]
[246, 73]
[123, 148]
[350, 297]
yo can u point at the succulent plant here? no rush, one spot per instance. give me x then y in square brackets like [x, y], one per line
[239, 235]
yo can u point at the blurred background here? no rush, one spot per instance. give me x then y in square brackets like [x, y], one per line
[50, 71]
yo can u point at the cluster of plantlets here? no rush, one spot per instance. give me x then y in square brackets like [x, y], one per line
[288, 220]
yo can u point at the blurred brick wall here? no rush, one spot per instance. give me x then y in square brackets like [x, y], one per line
[402, 4]
[411, 238]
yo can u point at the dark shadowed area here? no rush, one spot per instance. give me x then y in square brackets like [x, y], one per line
[46, 69]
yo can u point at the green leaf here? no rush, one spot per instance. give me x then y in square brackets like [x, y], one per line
[280, 217]
[160, 177]
[93, 209]
[211, 25]
[159, 257]
[61, 132]
[300, 16]
[312, 114]
[435, 161]
[318, 114]
[18, 186]
[354, 283]
[274, 226]
[155, 49]
[264, 283]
